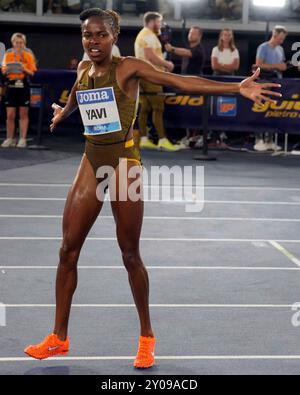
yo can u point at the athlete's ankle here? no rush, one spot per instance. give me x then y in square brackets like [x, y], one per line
[62, 336]
[147, 333]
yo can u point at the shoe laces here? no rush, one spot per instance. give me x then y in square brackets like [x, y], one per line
[144, 349]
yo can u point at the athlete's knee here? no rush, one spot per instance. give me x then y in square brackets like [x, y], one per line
[68, 254]
[131, 258]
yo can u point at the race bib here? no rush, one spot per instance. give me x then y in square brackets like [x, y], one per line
[99, 111]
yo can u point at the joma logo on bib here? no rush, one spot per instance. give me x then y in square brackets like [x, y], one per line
[97, 96]
[99, 111]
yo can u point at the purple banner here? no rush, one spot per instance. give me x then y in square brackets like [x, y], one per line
[233, 113]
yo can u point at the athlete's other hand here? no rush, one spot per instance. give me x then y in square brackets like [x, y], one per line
[258, 92]
[57, 116]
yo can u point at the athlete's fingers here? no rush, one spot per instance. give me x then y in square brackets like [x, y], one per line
[266, 98]
[52, 125]
[55, 106]
[258, 100]
[270, 85]
[271, 93]
[256, 74]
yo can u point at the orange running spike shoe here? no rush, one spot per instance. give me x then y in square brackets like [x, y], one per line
[49, 347]
[145, 355]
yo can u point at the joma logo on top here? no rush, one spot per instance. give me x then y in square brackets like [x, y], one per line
[96, 96]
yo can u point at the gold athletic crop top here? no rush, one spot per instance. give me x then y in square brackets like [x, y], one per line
[127, 107]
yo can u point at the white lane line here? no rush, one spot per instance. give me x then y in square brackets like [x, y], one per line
[239, 202]
[285, 252]
[248, 188]
[201, 306]
[31, 199]
[165, 358]
[11, 184]
[225, 268]
[38, 216]
[55, 238]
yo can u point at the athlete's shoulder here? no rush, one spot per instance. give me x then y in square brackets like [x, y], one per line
[9, 50]
[128, 61]
[83, 64]
[82, 67]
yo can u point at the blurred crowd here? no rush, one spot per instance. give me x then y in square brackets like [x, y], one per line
[215, 9]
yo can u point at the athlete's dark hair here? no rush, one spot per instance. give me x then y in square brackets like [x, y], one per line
[111, 17]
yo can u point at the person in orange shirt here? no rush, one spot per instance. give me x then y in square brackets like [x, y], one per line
[18, 64]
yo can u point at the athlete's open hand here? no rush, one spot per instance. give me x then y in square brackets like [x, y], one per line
[57, 116]
[258, 92]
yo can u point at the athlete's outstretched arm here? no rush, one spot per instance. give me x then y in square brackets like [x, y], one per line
[248, 88]
[61, 113]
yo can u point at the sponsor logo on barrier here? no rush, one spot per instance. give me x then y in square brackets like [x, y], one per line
[226, 106]
[180, 100]
[284, 109]
[35, 97]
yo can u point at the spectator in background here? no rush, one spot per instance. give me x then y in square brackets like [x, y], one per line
[193, 59]
[18, 5]
[270, 57]
[230, 9]
[18, 64]
[148, 47]
[194, 56]
[73, 65]
[225, 57]
[140, 6]
[54, 7]
[225, 60]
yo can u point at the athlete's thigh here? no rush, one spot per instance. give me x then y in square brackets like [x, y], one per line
[128, 205]
[82, 206]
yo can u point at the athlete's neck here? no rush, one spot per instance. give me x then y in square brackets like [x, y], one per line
[102, 67]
